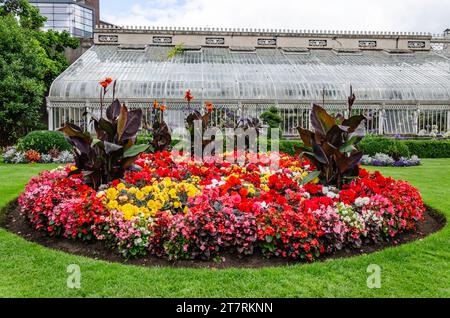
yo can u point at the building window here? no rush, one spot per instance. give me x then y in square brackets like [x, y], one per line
[70, 17]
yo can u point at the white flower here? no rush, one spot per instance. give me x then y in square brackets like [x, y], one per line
[332, 195]
[360, 202]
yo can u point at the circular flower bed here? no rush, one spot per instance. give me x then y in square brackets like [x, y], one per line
[185, 210]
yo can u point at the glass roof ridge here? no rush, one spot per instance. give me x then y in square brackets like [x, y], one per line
[261, 30]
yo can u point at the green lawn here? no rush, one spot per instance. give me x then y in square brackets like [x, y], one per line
[419, 269]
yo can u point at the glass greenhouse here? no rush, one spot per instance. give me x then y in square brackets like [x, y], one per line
[400, 92]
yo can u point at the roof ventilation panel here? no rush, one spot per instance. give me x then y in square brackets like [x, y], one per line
[346, 51]
[242, 49]
[295, 50]
[398, 51]
[132, 47]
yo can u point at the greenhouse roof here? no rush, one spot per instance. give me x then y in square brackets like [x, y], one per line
[232, 74]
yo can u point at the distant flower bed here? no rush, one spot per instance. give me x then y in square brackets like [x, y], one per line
[15, 156]
[181, 209]
[383, 160]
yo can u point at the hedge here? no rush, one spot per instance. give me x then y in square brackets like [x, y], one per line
[371, 145]
[43, 141]
[429, 148]
[375, 144]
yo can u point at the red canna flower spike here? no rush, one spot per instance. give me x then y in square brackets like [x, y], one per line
[188, 96]
[163, 108]
[155, 104]
[106, 82]
[209, 107]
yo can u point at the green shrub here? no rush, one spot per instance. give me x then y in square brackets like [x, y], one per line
[273, 119]
[289, 146]
[429, 148]
[371, 145]
[43, 141]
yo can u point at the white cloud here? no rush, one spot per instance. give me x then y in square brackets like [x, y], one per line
[366, 15]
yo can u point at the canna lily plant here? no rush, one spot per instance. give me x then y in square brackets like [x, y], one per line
[107, 156]
[331, 146]
[245, 123]
[160, 130]
[195, 116]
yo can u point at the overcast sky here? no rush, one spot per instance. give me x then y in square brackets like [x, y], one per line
[366, 15]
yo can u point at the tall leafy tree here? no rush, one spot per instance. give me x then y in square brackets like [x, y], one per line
[23, 65]
[30, 59]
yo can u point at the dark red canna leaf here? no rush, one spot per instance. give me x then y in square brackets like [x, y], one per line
[353, 122]
[321, 121]
[113, 111]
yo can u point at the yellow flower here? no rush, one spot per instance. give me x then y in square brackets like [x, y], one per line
[186, 210]
[191, 192]
[146, 190]
[158, 204]
[129, 211]
[156, 189]
[140, 195]
[173, 193]
[304, 174]
[167, 182]
[112, 193]
[195, 179]
[120, 186]
[151, 204]
[177, 205]
[133, 190]
[145, 211]
[113, 205]
[73, 168]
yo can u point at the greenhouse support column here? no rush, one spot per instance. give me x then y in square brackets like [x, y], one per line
[381, 120]
[88, 113]
[448, 120]
[416, 119]
[50, 115]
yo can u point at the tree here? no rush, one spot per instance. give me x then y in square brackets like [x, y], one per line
[29, 16]
[30, 59]
[23, 65]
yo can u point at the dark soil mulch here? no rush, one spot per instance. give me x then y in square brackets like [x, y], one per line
[11, 220]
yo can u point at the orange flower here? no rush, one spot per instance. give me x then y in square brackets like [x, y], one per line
[163, 108]
[105, 83]
[188, 96]
[155, 104]
[209, 107]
